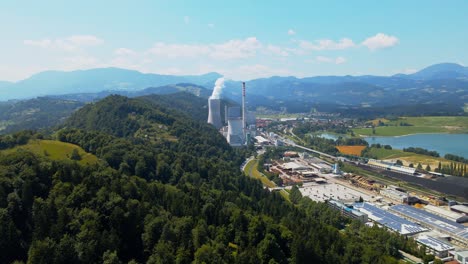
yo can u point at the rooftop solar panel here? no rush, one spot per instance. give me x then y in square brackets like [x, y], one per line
[431, 220]
[389, 220]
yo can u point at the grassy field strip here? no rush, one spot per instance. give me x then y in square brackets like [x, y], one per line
[408, 157]
[55, 150]
[251, 170]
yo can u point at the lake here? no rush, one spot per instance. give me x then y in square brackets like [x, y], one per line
[456, 144]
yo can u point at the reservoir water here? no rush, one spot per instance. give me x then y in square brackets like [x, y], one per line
[456, 144]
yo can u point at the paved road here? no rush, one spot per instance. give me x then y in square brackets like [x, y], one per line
[311, 150]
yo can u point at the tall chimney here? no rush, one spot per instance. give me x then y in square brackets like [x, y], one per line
[243, 109]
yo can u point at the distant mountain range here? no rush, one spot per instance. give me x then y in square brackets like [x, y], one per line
[94, 81]
[445, 83]
[440, 83]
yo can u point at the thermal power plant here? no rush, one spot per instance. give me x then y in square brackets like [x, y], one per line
[214, 112]
[240, 125]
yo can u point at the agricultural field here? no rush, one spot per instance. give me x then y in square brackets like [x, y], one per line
[351, 150]
[55, 150]
[415, 125]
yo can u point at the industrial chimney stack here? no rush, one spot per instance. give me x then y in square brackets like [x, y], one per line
[244, 128]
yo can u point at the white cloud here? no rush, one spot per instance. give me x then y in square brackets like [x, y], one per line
[276, 50]
[236, 49]
[186, 19]
[291, 32]
[380, 41]
[323, 59]
[327, 44]
[85, 40]
[124, 52]
[340, 60]
[337, 60]
[71, 43]
[232, 49]
[211, 25]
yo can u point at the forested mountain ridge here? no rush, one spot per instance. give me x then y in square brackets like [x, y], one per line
[38, 113]
[180, 200]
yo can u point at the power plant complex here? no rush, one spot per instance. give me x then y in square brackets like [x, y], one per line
[240, 128]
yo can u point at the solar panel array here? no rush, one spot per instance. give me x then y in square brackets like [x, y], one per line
[432, 220]
[435, 243]
[389, 220]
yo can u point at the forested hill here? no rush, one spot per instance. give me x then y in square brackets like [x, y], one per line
[194, 106]
[38, 113]
[168, 190]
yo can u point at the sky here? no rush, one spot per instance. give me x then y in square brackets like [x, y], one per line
[240, 39]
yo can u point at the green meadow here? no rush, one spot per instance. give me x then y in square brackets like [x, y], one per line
[55, 150]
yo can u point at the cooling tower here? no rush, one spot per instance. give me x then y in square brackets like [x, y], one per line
[214, 114]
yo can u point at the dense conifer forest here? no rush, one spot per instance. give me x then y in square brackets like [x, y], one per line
[167, 189]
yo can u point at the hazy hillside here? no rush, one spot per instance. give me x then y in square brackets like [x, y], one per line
[94, 80]
[35, 114]
[166, 89]
[437, 84]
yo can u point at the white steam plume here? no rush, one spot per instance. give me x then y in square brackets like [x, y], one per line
[219, 85]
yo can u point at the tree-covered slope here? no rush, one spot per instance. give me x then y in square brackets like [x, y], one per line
[179, 200]
[35, 114]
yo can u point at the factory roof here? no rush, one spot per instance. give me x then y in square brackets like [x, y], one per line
[460, 207]
[394, 192]
[293, 166]
[443, 212]
[434, 243]
[432, 220]
[391, 167]
[261, 139]
[389, 220]
[344, 207]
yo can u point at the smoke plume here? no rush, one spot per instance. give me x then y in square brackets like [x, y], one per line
[219, 85]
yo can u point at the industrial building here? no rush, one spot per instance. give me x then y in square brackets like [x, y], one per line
[450, 215]
[394, 194]
[235, 135]
[389, 219]
[457, 232]
[460, 208]
[461, 257]
[434, 246]
[391, 167]
[346, 211]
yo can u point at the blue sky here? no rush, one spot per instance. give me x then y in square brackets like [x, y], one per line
[240, 39]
